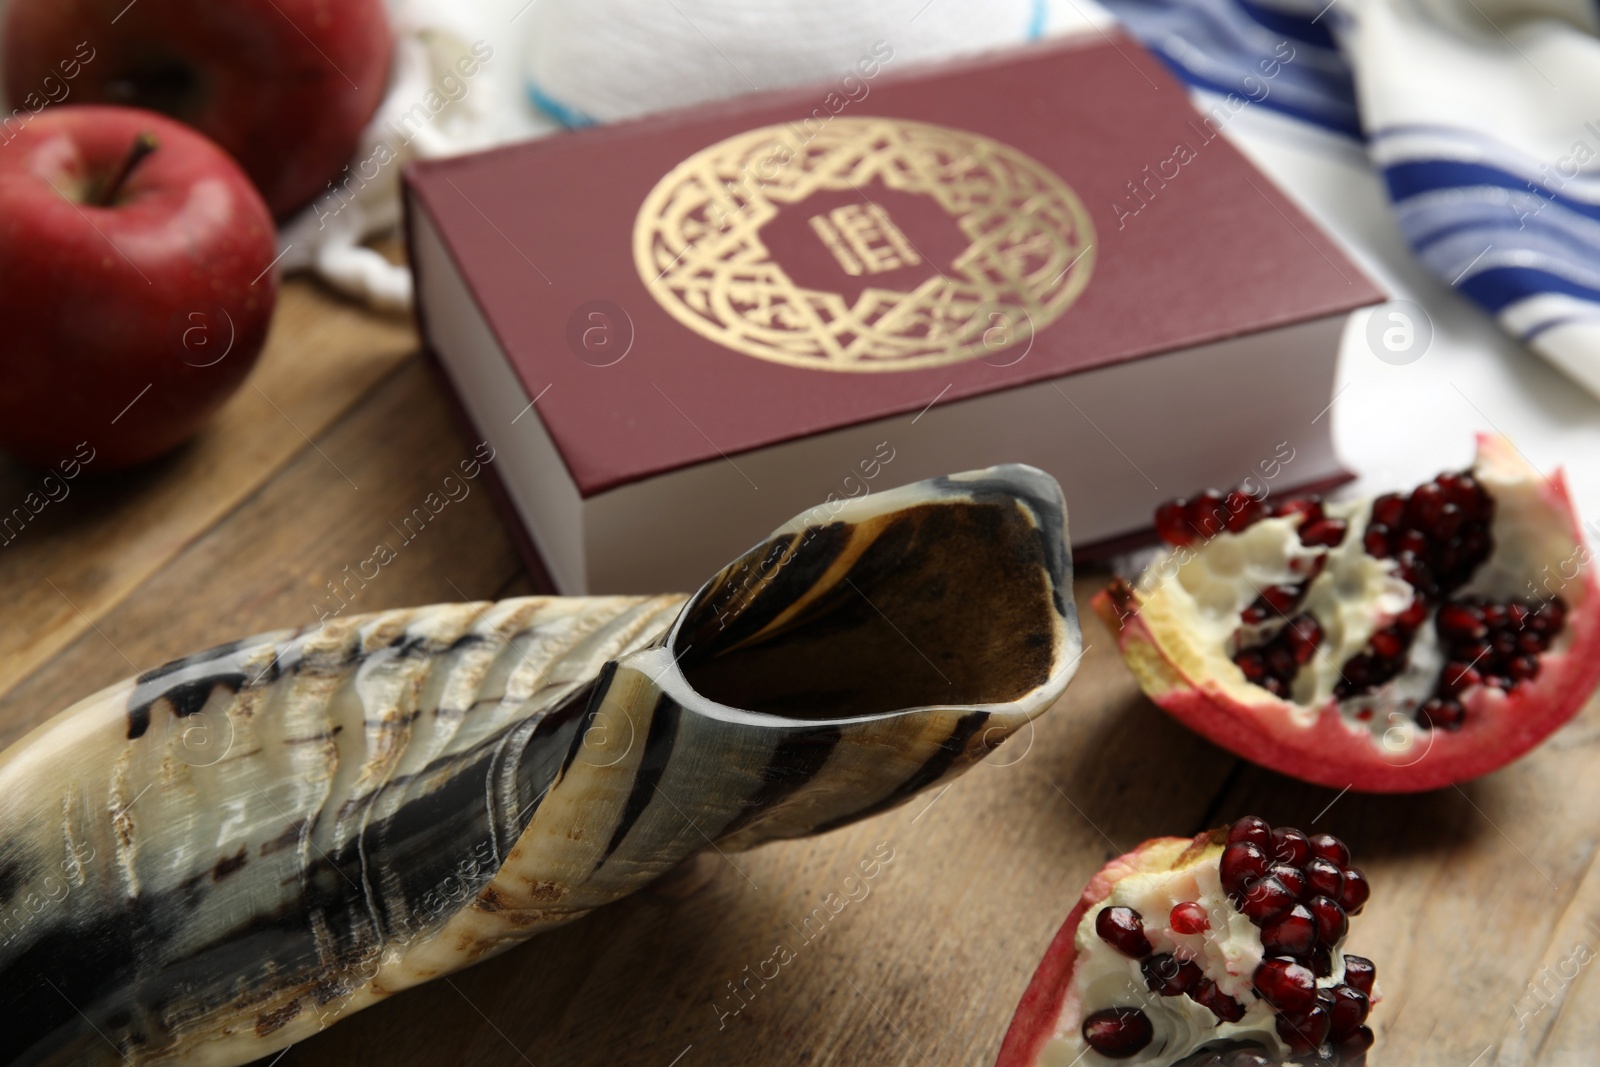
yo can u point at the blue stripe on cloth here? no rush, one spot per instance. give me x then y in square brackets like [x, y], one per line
[1560, 320]
[1416, 177]
[1351, 126]
[1292, 26]
[570, 117]
[1217, 44]
[1500, 287]
[1036, 20]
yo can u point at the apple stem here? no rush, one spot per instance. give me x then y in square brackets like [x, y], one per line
[142, 146]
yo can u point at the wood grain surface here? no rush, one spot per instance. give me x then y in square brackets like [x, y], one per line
[1482, 894]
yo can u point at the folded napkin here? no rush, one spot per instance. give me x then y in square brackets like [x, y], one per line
[1482, 115]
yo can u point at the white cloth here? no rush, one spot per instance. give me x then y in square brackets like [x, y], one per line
[1485, 119]
[434, 108]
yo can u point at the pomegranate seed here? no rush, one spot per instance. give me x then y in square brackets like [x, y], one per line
[1460, 622]
[1170, 976]
[1309, 507]
[1388, 643]
[1524, 668]
[1330, 848]
[1422, 510]
[1495, 681]
[1282, 598]
[1532, 643]
[1504, 643]
[1287, 985]
[1207, 995]
[1244, 511]
[1276, 686]
[1449, 523]
[1549, 616]
[1241, 865]
[1172, 523]
[1413, 541]
[1266, 900]
[1118, 1033]
[1325, 532]
[1293, 878]
[1460, 489]
[1389, 509]
[1349, 1011]
[1376, 540]
[1417, 574]
[1301, 637]
[1251, 828]
[1324, 876]
[1280, 662]
[1359, 973]
[1253, 664]
[1207, 514]
[1356, 891]
[1304, 1031]
[1458, 678]
[1352, 1051]
[1332, 923]
[1291, 846]
[1123, 930]
[1189, 917]
[1439, 714]
[1292, 934]
[1321, 962]
[1413, 616]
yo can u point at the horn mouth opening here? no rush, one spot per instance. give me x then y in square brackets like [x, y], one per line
[947, 593]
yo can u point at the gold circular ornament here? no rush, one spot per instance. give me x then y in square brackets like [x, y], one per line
[1029, 245]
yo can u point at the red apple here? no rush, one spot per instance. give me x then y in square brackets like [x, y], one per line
[135, 283]
[286, 86]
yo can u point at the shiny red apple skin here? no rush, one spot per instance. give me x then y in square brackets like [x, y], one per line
[97, 303]
[286, 86]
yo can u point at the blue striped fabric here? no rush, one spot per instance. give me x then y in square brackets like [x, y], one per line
[1518, 236]
[1240, 46]
[1501, 227]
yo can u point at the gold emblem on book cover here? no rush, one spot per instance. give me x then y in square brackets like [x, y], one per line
[1029, 245]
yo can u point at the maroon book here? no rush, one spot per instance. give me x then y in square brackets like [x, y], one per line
[680, 331]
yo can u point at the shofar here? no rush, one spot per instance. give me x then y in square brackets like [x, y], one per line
[217, 859]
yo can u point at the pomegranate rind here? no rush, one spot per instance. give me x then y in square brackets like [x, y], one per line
[1039, 1010]
[1327, 750]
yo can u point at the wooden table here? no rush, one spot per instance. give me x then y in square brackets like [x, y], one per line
[1479, 890]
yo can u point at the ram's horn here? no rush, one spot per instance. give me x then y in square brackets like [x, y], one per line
[218, 858]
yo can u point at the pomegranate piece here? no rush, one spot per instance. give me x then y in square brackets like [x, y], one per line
[1180, 1005]
[1359, 973]
[1292, 934]
[1290, 846]
[1252, 830]
[1331, 919]
[1189, 918]
[1349, 1011]
[1123, 929]
[1394, 644]
[1241, 865]
[1266, 900]
[1304, 1031]
[1118, 1033]
[1208, 995]
[1170, 976]
[1286, 985]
